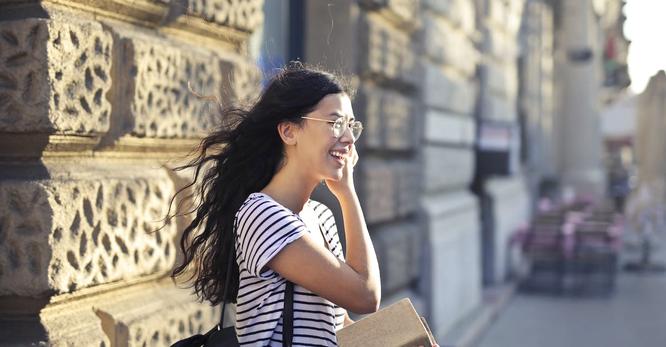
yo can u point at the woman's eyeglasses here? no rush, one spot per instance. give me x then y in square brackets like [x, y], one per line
[340, 124]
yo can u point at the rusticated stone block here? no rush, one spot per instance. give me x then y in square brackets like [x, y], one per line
[54, 76]
[506, 14]
[157, 102]
[446, 92]
[511, 208]
[459, 12]
[448, 46]
[370, 110]
[407, 187]
[496, 107]
[502, 78]
[389, 119]
[404, 11]
[388, 53]
[166, 315]
[396, 254]
[445, 128]
[454, 277]
[245, 15]
[64, 234]
[500, 45]
[447, 167]
[439, 6]
[379, 185]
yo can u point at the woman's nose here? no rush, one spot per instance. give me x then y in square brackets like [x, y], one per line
[347, 135]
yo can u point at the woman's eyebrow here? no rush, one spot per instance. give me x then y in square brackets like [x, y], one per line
[338, 114]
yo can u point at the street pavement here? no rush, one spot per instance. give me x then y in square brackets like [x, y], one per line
[635, 315]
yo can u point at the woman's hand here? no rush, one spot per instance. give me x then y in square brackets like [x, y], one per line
[346, 183]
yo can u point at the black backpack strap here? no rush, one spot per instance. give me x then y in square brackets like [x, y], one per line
[288, 316]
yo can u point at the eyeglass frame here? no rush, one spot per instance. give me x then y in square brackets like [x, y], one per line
[346, 123]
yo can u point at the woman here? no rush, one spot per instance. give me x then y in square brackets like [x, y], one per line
[256, 202]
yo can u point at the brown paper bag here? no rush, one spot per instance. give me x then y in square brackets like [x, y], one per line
[395, 325]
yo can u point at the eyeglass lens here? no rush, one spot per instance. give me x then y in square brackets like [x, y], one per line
[341, 123]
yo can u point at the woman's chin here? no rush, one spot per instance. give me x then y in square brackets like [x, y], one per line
[335, 175]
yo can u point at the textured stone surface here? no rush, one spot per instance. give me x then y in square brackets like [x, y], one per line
[161, 105]
[446, 128]
[66, 234]
[454, 278]
[245, 15]
[390, 189]
[447, 167]
[506, 14]
[379, 186]
[157, 103]
[448, 46]
[459, 12]
[54, 76]
[389, 119]
[502, 78]
[407, 186]
[446, 92]
[500, 45]
[156, 318]
[498, 108]
[405, 11]
[396, 254]
[389, 52]
[144, 314]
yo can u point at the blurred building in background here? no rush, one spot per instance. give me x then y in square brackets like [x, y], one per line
[473, 110]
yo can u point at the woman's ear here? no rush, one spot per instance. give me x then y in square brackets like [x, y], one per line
[288, 132]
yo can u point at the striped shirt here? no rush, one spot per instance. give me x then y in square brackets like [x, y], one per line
[263, 227]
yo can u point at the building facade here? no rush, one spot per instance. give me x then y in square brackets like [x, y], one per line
[470, 108]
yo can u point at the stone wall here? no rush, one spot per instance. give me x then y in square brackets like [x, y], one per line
[94, 109]
[414, 63]
[450, 212]
[536, 97]
[375, 43]
[506, 194]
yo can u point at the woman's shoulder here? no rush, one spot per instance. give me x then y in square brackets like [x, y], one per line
[259, 203]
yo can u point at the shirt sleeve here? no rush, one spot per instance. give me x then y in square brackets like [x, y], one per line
[327, 222]
[264, 228]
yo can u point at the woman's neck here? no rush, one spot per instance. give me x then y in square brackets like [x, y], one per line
[290, 188]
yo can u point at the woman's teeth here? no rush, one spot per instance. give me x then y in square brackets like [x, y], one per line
[338, 155]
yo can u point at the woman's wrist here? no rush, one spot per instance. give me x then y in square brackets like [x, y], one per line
[345, 194]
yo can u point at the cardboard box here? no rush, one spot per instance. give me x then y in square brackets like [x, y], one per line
[396, 325]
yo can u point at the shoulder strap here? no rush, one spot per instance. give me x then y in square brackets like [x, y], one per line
[287, 312]
[288, 316]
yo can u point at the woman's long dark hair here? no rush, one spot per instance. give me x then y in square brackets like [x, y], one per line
[236, 160]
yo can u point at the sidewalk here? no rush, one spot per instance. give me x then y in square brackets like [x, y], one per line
[634, 316]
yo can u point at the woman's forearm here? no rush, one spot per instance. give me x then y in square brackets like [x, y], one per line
[360, 253]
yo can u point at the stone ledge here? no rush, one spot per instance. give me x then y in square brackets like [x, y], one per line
[156, 313]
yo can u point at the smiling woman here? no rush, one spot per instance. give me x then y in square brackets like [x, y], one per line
[256, 174]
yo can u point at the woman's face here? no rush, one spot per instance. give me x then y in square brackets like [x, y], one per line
[319, 151]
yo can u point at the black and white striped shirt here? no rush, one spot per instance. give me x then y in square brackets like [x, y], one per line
[263, 227]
